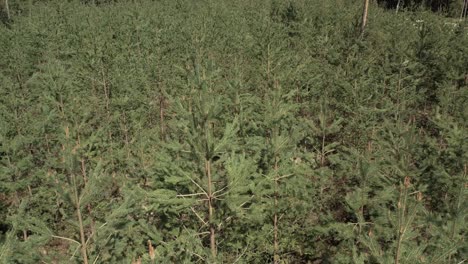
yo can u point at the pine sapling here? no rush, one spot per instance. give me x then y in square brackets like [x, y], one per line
[405, 215]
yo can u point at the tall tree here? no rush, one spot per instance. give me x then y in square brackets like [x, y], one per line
[364, 16]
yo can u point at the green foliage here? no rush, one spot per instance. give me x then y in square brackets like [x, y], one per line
[232, 132]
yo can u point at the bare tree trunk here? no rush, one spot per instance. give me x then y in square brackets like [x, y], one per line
[275, 217]
[7, 8]
[211, 209]
[84, 252]
[398, 6]
[77, 200]
[464, 10]
[161, 116]
[364, 16]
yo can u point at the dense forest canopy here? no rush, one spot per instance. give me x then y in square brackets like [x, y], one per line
[247, 131]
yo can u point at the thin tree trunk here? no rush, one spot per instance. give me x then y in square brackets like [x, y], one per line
[322, 158]
[7, 8]
[398, 6]
[275, 217]
[161, 116]
[464, 10]
[211, 209]
[77, 204]
[399, 231]
[364, 16]
[106, 88]
[458, 205]
[268, 65]
[403, 221]
[84, 252]
[89, 209]
[126, 141]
